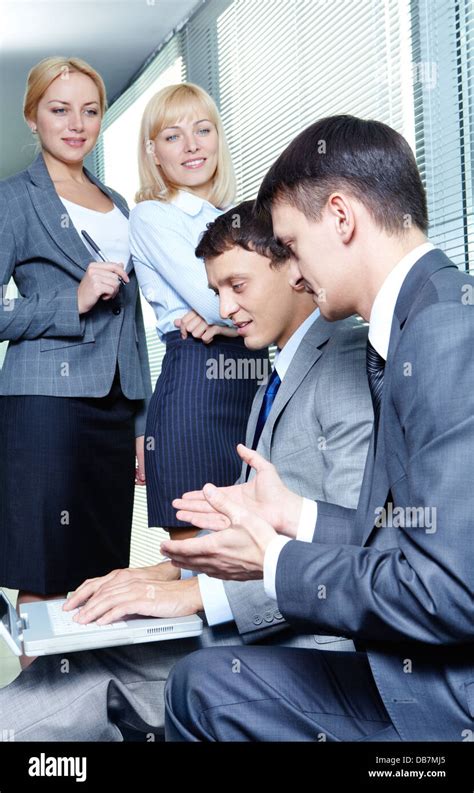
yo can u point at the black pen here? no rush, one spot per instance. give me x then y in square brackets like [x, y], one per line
[97, 250]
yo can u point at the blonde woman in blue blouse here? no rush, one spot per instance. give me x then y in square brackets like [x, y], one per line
[194, 420]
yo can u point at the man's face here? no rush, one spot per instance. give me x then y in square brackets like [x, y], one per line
[318, 257]
[256, 297]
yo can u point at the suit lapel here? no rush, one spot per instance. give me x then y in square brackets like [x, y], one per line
[307, 354]
[53, 214]
[376, 484]
[253, 418]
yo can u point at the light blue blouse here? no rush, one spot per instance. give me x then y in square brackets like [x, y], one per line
[163, 237]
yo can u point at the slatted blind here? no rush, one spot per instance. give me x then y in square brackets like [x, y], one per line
[274, 66]
[284, 64]
[146, 541]
[444, 120]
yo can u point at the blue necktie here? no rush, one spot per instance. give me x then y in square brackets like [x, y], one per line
[375, 373]
[271, 390]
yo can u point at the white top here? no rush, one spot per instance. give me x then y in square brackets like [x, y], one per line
[163, 237]
[214, 597]
[109, 230]
[380, 326]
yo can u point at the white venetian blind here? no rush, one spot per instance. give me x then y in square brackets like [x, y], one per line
[444, 101]
[285, 63]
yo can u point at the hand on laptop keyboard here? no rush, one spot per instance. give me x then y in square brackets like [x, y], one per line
[62, 621]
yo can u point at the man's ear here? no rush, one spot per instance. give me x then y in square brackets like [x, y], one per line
[298, 286]
[340, 206]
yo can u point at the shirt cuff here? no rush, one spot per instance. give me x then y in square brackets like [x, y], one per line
[270, 563]
[214, 600]
[307, 522]
[186, 574]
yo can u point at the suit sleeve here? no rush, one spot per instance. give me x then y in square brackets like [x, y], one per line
[422, 589]
[53, 314]
[256, 615]
[335, 525]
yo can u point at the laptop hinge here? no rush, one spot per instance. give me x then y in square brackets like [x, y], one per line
[22, 623]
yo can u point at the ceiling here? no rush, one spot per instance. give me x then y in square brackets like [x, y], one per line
[115, 36]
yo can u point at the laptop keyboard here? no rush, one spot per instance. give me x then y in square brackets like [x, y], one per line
[62, 621]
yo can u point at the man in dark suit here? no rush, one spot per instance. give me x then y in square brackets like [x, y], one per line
[347, 202]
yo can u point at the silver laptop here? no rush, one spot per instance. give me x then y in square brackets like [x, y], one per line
[43, 628]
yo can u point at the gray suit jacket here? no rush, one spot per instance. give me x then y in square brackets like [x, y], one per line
[407, 595]
[317, 436]
[52, 349]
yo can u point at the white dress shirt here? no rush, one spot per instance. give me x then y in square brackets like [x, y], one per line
[109, 230]
[163, 237]
[213, 594]
[383, 309]
[380, 325]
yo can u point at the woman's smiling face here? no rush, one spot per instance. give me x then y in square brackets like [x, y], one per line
[68, 117]
[187, 152]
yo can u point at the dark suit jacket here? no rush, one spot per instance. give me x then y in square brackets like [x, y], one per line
[406, 596]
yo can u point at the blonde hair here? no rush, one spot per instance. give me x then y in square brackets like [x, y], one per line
[163, 109]
[42, 75]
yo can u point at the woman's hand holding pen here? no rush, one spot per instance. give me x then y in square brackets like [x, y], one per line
[194, 324]
[101, 281]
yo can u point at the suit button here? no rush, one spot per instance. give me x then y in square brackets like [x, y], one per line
[268, 616]
[277, 615]
[116, 310]
[257, 620]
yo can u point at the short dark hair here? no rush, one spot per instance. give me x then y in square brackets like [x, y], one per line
[241, 226]
[369, 159]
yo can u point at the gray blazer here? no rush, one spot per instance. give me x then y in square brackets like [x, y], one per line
[52, 349]
[317, 436]
[407, 594]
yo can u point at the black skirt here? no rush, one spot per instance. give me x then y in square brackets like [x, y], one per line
[197, 415]
[66, 488]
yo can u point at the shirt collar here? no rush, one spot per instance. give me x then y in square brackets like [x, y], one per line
[284, 357]
[381, 316]
[189, 202]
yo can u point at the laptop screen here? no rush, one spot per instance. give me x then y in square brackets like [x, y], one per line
[8, 624]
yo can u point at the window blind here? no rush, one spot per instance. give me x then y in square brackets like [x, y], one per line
[444, 120]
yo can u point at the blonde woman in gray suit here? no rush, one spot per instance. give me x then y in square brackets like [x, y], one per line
[75, 381]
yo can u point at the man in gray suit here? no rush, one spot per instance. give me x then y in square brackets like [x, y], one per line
[316, 432]
[405, 594]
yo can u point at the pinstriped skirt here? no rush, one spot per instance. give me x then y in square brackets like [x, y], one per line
[196, 417]
[66, 488]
